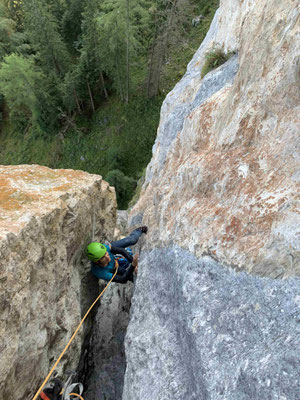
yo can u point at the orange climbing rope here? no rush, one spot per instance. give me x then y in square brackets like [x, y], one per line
[76, 395]
[74, 334]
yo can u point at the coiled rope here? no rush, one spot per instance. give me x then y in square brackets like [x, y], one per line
[74, 334]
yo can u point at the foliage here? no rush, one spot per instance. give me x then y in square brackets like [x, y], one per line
[20, 80]
[214, 59]
[44, 34]
[120, 137]
[174, 67]
[14, 11]
[138, 189]
[6, 27]
[71, 24]
[124, 186]
[119, 25]
[169, 20]
[76, 74]
[1, 108]
[9, 38]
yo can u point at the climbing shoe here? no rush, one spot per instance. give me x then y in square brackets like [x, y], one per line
[144, 229]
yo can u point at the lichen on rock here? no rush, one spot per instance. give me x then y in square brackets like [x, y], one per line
[47, 218]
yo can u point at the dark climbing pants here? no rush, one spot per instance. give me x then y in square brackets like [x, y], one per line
[129, 240]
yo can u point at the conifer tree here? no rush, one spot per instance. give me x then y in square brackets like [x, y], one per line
[58, 8]
[10, 38]
[43, 32]
[168, 18]
[91, 51]
[7, 27]
[118, 26]
[20, 83]
[81, 80]
[71, 24]
[70, 89]
[44, 35]
[15, 11]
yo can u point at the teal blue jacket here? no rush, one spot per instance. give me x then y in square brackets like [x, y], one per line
[125, 269]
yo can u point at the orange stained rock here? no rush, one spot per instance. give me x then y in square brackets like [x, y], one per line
[31, 190]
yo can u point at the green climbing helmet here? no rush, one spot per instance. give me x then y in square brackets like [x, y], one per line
[95, 251]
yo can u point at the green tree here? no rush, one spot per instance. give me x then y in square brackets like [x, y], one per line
[119, 26]
[7, 26]
[20, 81]
[15, 12]
[85, 82]
[70, 91]
[10, 38]
[44, 35]
[71, 24]
[168, 19]
[91, 52]
[124, 186]
[51, 54]
[58, 8]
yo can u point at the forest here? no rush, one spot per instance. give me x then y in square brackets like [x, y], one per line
[82, 81]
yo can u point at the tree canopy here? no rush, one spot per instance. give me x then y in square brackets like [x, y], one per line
[61, 61]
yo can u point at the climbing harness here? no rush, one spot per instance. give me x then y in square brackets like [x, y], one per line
[121, 260]
[70, 341]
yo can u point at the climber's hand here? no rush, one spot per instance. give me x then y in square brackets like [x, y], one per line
[135, 260]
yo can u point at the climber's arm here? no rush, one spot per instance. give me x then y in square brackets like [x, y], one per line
[121, 251]
[126, 276]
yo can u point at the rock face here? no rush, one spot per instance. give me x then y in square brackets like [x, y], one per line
[104, 358]
[224, 176]
[47, 218]
[199, 331]
[221, 199]
[105, 355]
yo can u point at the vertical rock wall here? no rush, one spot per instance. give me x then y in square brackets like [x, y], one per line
[199, 331]
[224, 176]
[103, 360]
[221, 199]
[47, 217]
[105, 357]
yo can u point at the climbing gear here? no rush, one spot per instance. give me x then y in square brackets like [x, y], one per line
[143, 228]
[52, 391]
[70, 341]
[55, 390]
[69, 387]
[95, 251]
[121, 260]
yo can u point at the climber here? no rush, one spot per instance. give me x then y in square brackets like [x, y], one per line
[104, 260]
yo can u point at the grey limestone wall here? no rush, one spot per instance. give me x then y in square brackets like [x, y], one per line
[200, 331]
[173, 122]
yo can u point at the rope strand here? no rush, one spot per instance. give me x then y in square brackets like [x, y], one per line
[74, 334]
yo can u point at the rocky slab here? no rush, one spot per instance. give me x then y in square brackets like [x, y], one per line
[46, 219]
[224, 176]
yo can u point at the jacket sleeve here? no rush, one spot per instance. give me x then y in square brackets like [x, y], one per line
[123, 252]
[101, 273]
[125, 277]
